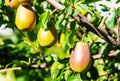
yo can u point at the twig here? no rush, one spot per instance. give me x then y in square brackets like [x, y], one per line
[111, 54]
[84, 22]
[31, 44]
[97, 56]
[118, 22]
[10, 69]
[35, 66]
[83, 36]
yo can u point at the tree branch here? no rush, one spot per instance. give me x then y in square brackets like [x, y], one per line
[35, 66]
[10, 69]
[111, 54]
[102, 33]
[118, 22]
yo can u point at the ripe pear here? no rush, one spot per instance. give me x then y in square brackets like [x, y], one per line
[13, 4]
[80, 58]
[25, 18]
[47, 38]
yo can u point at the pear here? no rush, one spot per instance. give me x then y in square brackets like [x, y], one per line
[47, 38]
[25, 18]
[80, 58]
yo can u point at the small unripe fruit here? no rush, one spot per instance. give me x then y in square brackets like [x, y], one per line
[80, 58]
[25, 18]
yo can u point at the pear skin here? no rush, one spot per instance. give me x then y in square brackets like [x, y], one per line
[25, 18]
[47, 38]
[80, 57]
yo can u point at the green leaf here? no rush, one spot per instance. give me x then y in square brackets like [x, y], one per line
[67, 74]
[0, 3]
[1, 20]
[60, 77]
[69, 38]
[106, 49]
[75, 77]
[61, 66]
[83, 6]
[44, 4]
[44, 19]
[58, 23]
[94, 73]
[1, 66]
[111, 20]
[55, 58]
[118, 12]
[68, 10]
[76, 11]
[95, 48]
[32, 35]
[89, 1]
[72, 25]
[54, 69]
[74, 1]
[57, 52]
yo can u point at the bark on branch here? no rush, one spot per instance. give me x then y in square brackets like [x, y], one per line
[102, 33]
[35, 66]
[10, 69]
[111, 54]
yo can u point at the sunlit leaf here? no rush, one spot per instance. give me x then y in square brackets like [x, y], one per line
[68, 10]
[75, 77]
[76, 11]
[67, 74]
[54, 70]
[90, 1]
[111, 20]
[44, 19]
[118, 11]
[69, 38]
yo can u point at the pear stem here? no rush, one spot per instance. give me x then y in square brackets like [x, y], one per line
[31, 44]
[83, 36]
